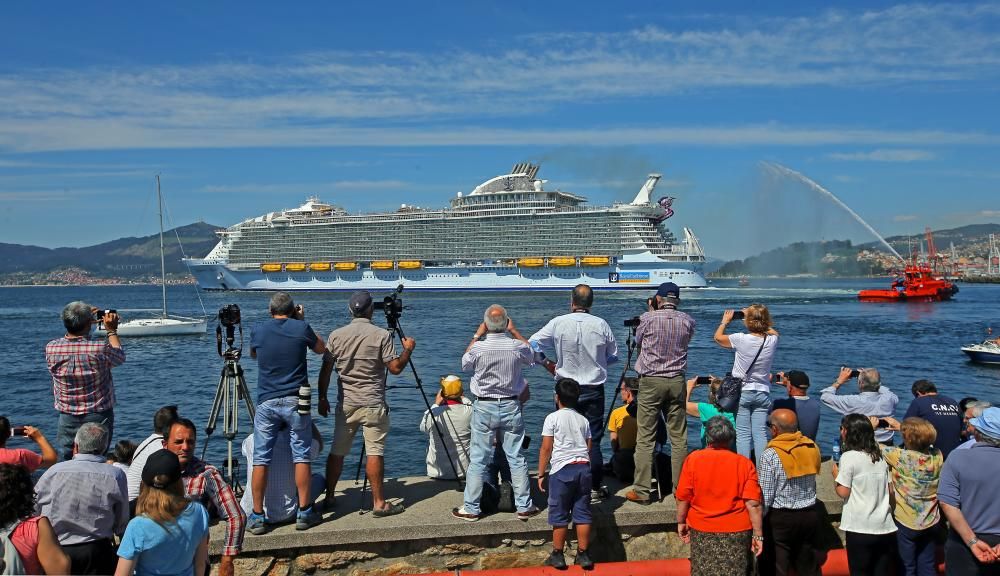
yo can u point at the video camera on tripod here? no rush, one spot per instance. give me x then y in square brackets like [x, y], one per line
[392, 306]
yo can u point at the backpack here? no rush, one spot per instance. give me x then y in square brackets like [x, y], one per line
[728, 396]
[11, 563]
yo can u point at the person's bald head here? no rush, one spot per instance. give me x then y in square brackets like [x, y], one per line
[784, 421]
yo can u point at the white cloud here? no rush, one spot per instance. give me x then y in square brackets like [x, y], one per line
[338, 98]
[990, 213]
[904, 218]
[884, 155]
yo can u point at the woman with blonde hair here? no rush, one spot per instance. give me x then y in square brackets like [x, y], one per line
[169, 534]
[752, 365]
[915, 470]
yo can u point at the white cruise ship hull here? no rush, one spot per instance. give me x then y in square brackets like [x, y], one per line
[685, 275]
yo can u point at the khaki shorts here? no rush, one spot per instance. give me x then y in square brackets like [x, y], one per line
[375, 420]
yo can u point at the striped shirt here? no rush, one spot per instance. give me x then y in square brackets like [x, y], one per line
[663, 336]
[584, 346]
[779, 490]
[203, 483]
[81, 374]
[85, 499]
[496, 364]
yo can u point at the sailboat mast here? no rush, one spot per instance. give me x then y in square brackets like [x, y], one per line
[163, 267]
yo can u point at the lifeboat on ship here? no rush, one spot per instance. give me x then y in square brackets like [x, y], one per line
[410, 264]
[530, 262]
[320, 267]
[270, 267]
[918, 284]
[562, 261]
[345, 266]
[383, 265]
[295, 266]
[595, 261]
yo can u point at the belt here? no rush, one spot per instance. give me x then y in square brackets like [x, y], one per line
[497, 399]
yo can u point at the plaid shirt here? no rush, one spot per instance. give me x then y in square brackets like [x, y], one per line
[663, 337]
[779, 490]
[204, 483]
[81, 374]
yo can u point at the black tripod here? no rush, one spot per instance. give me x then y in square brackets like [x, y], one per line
[630, 343]
[232, 388]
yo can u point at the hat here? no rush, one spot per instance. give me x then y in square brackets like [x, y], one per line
[451, 386]
[797, 378]
[162, 463]
[360, 301]
[988, 422]
[668, 290]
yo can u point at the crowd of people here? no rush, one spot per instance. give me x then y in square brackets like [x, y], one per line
[746, 498]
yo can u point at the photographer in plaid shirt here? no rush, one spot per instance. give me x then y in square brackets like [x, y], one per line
[81, 373]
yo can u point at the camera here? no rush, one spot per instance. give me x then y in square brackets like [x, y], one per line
[392, 306]
[99, 315]
[229, 315]
[855, 373]
[702, 380]
[882, 423]
[632, 322]
[738, 315]
[17, 431]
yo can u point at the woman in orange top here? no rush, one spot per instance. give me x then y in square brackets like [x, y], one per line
[719, 496]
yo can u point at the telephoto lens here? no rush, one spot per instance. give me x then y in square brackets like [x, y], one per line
[305, 400]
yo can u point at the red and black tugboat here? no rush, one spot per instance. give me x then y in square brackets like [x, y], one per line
[917, 284]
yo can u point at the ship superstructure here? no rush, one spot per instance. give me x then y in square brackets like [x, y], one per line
[508, 233]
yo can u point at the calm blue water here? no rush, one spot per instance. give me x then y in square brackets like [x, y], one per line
[822, 325]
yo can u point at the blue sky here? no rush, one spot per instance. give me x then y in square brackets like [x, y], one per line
[245, 108]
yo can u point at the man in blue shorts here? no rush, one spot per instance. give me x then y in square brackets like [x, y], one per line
[566, 442]
[280, 345]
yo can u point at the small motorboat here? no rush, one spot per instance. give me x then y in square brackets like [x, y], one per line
[744, 282]
[918, 284]
[986, 353]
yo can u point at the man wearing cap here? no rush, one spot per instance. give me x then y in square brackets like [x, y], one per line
[873, 399]
[279, 345]
[361, 353]
[584, 346]
[663, 335]
[967, 494]
[453, 414]
[806, 409]
[86, 500]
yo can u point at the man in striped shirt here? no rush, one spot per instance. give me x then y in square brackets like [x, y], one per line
[81, 373]
[204, 483]
[663, 336]
[496, 361]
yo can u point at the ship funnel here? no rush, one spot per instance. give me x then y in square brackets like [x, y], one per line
[643, 197]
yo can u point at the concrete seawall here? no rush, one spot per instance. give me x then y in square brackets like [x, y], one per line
[426, 538]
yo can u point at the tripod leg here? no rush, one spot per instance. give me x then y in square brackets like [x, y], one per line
[364, 485]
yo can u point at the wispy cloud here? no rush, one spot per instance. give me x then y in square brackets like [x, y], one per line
[884, 155]
[904, 218]
[990, 213]
[369, 98]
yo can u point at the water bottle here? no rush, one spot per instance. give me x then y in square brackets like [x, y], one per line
[305, 400]
[836, 450]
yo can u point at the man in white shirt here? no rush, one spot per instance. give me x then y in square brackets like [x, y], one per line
[162, 421]
[281, 497]
[584, 346]
[453, 413]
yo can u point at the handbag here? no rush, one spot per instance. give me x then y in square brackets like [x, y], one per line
[728, 396]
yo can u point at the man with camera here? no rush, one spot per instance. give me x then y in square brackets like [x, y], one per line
[81, 372]
[663, 335]
[584, 346]
[873, 399]
[280, 346]
[496, 361]
[361, 353]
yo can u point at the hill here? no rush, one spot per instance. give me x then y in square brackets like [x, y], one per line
[126, 259]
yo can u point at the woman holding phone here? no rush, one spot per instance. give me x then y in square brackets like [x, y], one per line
[754, 352]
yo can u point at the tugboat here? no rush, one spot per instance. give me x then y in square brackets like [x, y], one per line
[918, 284]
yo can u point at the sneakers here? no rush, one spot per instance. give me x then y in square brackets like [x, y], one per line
[257, 524]
[556, 560]
[307, 518]
[329, 504]
[599, 494]
[583, 560]
[461, 514]
[633, 497]
[533, 511]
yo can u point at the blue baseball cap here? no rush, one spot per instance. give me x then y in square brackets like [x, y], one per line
[668, 290]
[988, 422]
[360, 301]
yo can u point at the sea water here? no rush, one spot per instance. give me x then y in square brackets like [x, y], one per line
[822, 327]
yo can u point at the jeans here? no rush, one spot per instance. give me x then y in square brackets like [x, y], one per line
[917, 550]
[751, 423]
[658, 395]
[591, 406]
[70, 423]
[273, 416]
[488, 417]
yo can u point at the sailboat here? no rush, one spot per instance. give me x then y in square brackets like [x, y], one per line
[164, 324]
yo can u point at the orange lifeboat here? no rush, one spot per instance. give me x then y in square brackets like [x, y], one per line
[410, 264]
[345, 266]
[382, 265]
[918, 284]
[320, 266]
[270, 267]
[295, 266]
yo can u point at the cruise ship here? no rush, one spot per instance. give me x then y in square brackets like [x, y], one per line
[509, 233]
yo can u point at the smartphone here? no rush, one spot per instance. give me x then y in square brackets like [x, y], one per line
[526, 442]
[738, 315]
[855, 373]
[704, 380]
[882, 423]
[17, 431]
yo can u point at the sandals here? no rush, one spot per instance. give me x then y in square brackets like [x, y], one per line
[391, 510]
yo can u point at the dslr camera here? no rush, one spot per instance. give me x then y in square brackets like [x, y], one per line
[632, 322]
[229, 315]
[391, 305]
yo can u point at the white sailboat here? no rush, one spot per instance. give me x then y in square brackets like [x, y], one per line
[164, 324]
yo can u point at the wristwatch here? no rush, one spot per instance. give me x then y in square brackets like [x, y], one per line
[757, 538]
[972, 542]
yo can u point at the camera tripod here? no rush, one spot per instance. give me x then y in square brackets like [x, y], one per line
[631, 344]
[231, 389]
